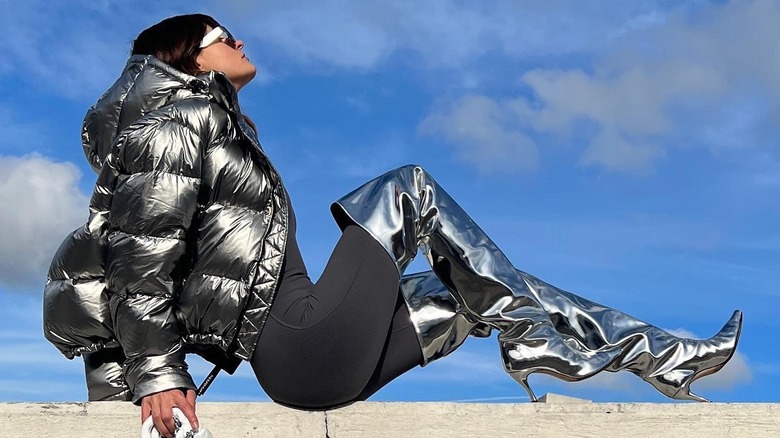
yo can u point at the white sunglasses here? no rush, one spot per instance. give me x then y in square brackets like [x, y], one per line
[218, 34]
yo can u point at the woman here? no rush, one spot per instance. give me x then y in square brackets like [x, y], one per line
[190, 248]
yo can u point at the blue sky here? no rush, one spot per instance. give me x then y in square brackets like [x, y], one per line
[625, 151]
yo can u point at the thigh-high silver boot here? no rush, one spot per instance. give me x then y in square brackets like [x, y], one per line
[669, 363]
[405, 209]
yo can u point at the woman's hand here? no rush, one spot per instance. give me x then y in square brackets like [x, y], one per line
[160, 406]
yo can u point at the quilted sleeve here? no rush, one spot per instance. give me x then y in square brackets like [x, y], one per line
[155, 199]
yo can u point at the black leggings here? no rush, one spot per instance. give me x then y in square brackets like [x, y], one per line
[339, 340]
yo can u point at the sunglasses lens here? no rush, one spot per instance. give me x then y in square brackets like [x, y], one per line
[228, 38]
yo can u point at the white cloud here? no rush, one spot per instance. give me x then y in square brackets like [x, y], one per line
[668, 83]
[628, 107]
[612, 151]
[437, 33]
[77, 48]
[42, 203]
[483, 134]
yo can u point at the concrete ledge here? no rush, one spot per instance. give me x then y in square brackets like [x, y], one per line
[373, 419]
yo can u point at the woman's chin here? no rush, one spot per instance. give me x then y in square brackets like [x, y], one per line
[245, 79]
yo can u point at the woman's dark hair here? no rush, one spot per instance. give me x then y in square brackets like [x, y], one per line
[175, 41]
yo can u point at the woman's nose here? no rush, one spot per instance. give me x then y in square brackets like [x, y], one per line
[239, 44]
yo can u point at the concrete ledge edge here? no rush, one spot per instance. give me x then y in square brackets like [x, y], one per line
[409, 419]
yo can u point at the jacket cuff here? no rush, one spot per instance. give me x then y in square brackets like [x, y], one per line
[162, 380]
[105, 381]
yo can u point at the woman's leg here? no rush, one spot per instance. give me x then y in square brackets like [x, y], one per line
[406, 209]
[401, 353]
[321, 348]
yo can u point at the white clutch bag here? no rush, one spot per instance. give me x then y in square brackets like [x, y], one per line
[183, 428]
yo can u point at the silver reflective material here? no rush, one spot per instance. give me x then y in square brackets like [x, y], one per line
[542, 329]
[667, 362]
[186, 237]
[105, 381]
[184, 245]
[442, 323]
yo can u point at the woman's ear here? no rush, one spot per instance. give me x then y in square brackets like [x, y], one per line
[198, 64]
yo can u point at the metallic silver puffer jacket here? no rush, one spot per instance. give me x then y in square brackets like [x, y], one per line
[184, 244]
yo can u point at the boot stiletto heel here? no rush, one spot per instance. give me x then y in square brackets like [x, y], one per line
[542, 350]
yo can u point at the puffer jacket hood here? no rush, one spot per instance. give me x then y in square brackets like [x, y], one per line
[185, 240]
[146, 84]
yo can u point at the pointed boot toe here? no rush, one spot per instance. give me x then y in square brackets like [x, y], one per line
[695, 359]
